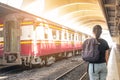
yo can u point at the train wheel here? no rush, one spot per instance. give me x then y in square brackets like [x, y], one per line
[60, 56]
[27, 66]
[76, 52]
[42, 63]
[65, 55]
[70, 54]
[30, 65]
[50, 60]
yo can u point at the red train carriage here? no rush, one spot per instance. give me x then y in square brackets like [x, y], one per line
[32, 44]
[25, 41]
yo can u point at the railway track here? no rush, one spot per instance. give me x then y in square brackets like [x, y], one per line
[79, 72]
[1, 67]
[68, 69]
[10, 70]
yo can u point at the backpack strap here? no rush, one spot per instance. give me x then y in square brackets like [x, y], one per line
[93, 68]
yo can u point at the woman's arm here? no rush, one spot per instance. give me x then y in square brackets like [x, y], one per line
[107, 55]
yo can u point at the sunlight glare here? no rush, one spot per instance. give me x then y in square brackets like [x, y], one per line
[34, 41]
[35, 7]
[53, 15]
[13, 3]
[4, 1]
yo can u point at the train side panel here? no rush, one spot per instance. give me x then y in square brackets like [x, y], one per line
[34, 42]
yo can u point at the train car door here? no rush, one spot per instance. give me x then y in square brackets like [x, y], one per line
[11, 54]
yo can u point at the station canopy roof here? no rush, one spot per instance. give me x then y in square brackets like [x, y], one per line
[80, 15]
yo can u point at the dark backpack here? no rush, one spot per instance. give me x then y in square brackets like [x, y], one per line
[90, 52]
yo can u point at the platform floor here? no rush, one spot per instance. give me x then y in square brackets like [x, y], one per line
[114, 65]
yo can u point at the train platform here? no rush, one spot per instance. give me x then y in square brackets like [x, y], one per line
[114, 64]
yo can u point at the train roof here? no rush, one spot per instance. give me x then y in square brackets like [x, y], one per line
[6, 10]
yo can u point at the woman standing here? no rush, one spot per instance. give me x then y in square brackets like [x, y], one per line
[98, 69]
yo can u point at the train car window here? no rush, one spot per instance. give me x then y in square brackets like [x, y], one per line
[1, 32]
[80, 37]
[63, 35]
[57, 34]
[75, 36]
[54, 34]
[83, 37]
[27, 32]
[67, 35]
[40, 33]
[60, 35]
[50, 37]
[46, 33]
[72, 37]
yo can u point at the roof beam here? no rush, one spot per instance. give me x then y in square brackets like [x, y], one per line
[111, 22]
[109, 5]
